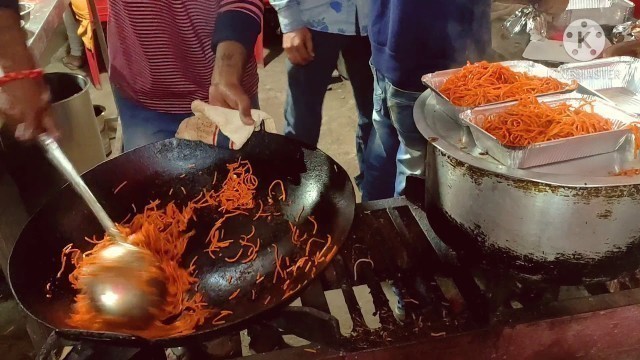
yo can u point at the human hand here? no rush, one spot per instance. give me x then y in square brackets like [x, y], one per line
[231, 96]
[298, 45]
[627, 48]
[553, 7]
[225, 89]
[25, 105]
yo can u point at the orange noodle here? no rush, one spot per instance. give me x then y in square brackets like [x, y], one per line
[531, 122]
[484, 83]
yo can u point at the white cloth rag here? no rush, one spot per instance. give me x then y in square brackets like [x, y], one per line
[219, 126]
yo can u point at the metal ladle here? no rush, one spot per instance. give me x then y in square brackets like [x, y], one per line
[126, 286]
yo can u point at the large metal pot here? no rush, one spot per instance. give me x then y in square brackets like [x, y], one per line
[75, 118]
[566, 223]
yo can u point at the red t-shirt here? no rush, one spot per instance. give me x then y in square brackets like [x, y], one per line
[636, 14]
[160, 50]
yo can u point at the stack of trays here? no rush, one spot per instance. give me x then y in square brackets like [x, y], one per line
[434, 81]
[616, 81]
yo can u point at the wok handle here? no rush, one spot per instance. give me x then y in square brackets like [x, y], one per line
[62, 163]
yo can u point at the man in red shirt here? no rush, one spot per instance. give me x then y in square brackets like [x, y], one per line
[162, 58]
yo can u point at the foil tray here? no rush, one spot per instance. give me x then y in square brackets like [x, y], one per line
[456, 141]
[435, 80]
[554, 151]
[616, 79]
[603, 12]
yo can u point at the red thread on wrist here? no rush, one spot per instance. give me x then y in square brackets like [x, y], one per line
[19, 75]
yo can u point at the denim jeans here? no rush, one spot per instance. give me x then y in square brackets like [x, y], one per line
[308, 86]
[142, 126]
[397, 149]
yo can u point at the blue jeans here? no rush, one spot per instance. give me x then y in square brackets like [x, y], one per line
[308, 86]
[142, 126]
[397, 149]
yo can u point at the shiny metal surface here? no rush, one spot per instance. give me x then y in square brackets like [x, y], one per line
[435, 81]
[571, 210]
[61, 162]
[125, 284]
[557, 150]
[74, 116]
[589, 172]
[617, 79]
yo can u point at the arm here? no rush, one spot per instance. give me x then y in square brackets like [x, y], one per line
[296, 38]
[237, 28]
[289, 14]
[23, 101]
[627, 48]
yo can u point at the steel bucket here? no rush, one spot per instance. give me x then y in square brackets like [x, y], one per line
[75, 118]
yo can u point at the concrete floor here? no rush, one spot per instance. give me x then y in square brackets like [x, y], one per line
[337, 135]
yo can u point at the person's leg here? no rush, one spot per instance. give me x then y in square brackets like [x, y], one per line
[76, 46]
[307, 88]
[142, 126]
[382, 147]
[356, 56]
[412, 150]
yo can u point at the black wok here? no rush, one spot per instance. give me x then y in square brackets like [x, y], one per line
[315, 184]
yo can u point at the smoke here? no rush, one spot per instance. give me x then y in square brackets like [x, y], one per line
[470, 36]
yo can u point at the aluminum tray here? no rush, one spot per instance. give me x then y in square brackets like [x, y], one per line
[435, 80]
[554, 151]
[617, 79]
[456, 142]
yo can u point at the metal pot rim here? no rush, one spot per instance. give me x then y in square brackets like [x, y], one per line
[83, 82]
[522, 174]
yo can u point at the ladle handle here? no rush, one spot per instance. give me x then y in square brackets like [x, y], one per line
[62, 163]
